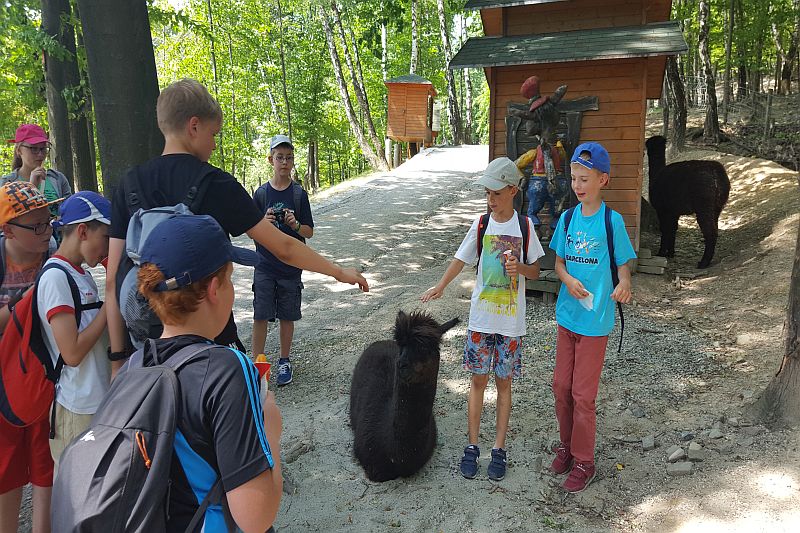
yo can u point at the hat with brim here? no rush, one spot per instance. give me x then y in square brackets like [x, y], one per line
[84, 206]
[29, 133]
[598, 157]
[189, 248]
[278, 140]
[20, 197]
[499, 174]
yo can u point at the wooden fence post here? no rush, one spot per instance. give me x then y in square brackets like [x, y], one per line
[767, 114]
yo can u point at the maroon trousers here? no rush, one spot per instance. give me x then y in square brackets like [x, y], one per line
[579, 362]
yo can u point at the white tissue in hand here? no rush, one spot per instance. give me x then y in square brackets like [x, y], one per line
[587, 302]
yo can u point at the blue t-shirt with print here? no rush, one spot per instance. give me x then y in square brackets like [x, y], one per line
[584, 248]
[265, 197]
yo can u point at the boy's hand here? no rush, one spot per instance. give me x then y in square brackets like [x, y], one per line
[576, 288]
[353, 277]
[289, 218]
[270, 216]
[433, 293]
[622, 292]
[511, 264]
[273, 422]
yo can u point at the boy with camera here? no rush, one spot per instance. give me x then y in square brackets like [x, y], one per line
[277, 286]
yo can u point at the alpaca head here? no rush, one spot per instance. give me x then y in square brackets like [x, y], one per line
[418, 335]
[656, 155]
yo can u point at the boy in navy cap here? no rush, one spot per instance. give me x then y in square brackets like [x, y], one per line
[83, 344]
[224, 430]
[585, 310]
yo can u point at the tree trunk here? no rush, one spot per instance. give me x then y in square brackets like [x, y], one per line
[57, 114]
[384, 51]
[414, 38]
[468, 138]
[366, 149]
[283, 72]
[452, 98]
[82, 135]
[779, 405]
[677, 97]
[664, 103]
[711, 126]
[358, 88]
[726, 84]
[215, 72]
[122, 72]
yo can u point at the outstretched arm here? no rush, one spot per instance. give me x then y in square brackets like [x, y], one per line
[453, 270]
[293, 252]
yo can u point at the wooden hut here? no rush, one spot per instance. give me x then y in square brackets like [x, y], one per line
[410, 102]
[614, 50]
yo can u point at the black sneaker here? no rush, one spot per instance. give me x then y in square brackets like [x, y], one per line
[497, 468]
[469, 463]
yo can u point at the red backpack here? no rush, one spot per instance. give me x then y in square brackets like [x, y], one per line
[27, 373]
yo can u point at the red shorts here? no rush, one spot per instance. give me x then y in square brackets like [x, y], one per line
[25, 455]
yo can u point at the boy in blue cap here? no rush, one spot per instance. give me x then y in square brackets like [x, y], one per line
[585, 310]
[84, 219]
[224, 427]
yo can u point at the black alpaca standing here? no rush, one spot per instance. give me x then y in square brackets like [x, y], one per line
[391, 398]
[683, 188]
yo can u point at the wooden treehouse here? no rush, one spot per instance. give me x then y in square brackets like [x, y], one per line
[611, 54]
[411, 117]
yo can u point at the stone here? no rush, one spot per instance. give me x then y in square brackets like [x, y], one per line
[537, 463]
[680, 469]
[753, 430]
[745, 442]
[672, 449]
[726, 448]
[696, 452]
[686, 436]
[744, 339]
[638, 412]
[733, 421]
[677, 455]
[716, 425]
[648, 443]
[715, 434]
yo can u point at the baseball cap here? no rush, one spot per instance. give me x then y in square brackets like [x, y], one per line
[84, 206]
[29, 133]
[20, 197]
[598, 157]
[499, 174]
[277, 140]
[188, 248]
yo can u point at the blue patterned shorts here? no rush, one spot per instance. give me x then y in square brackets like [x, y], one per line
[491, 351]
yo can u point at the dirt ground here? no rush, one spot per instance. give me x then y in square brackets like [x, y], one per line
[699, 347]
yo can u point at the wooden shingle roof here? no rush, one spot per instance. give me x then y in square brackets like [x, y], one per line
[473, 5]
[409, 78]
[661, 38]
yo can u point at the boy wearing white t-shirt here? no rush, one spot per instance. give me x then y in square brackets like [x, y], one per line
[497, 310]
[75, 330]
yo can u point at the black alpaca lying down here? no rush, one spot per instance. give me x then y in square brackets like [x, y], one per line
[683, 188]
[391, 398]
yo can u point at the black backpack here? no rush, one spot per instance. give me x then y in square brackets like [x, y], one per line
[524, 227]
[114, 476]
[611, 258]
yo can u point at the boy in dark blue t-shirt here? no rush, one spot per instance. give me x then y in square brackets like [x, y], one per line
[277, 286]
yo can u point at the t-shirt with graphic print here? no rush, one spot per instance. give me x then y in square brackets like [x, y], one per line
[80, 389]
[498, 301]
[17, 279]
[584, 248]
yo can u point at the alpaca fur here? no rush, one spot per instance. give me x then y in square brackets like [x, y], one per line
[683, 188]
[391, 398]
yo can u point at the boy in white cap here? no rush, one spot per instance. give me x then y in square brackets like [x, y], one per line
[506, 249]
[73, 329]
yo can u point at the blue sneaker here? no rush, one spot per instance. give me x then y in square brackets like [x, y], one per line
[469, 463]
[284, 372]
[497, 468]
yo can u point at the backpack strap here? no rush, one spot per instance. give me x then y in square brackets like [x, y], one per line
[614, 271]
[524, 227]
[216, 494]
[297, 194]
[198, 188]
[568, 218]
[483, 223]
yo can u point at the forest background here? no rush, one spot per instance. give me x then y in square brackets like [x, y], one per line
[316, 71]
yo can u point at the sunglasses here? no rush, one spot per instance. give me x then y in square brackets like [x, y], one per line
[37, 149]
[38, 229]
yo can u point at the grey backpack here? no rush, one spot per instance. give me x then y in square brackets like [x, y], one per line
[114, 476]
[141, 321]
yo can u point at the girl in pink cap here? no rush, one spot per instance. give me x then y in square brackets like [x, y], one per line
[30, 152]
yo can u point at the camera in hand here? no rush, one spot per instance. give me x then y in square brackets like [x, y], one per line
[280, 215]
